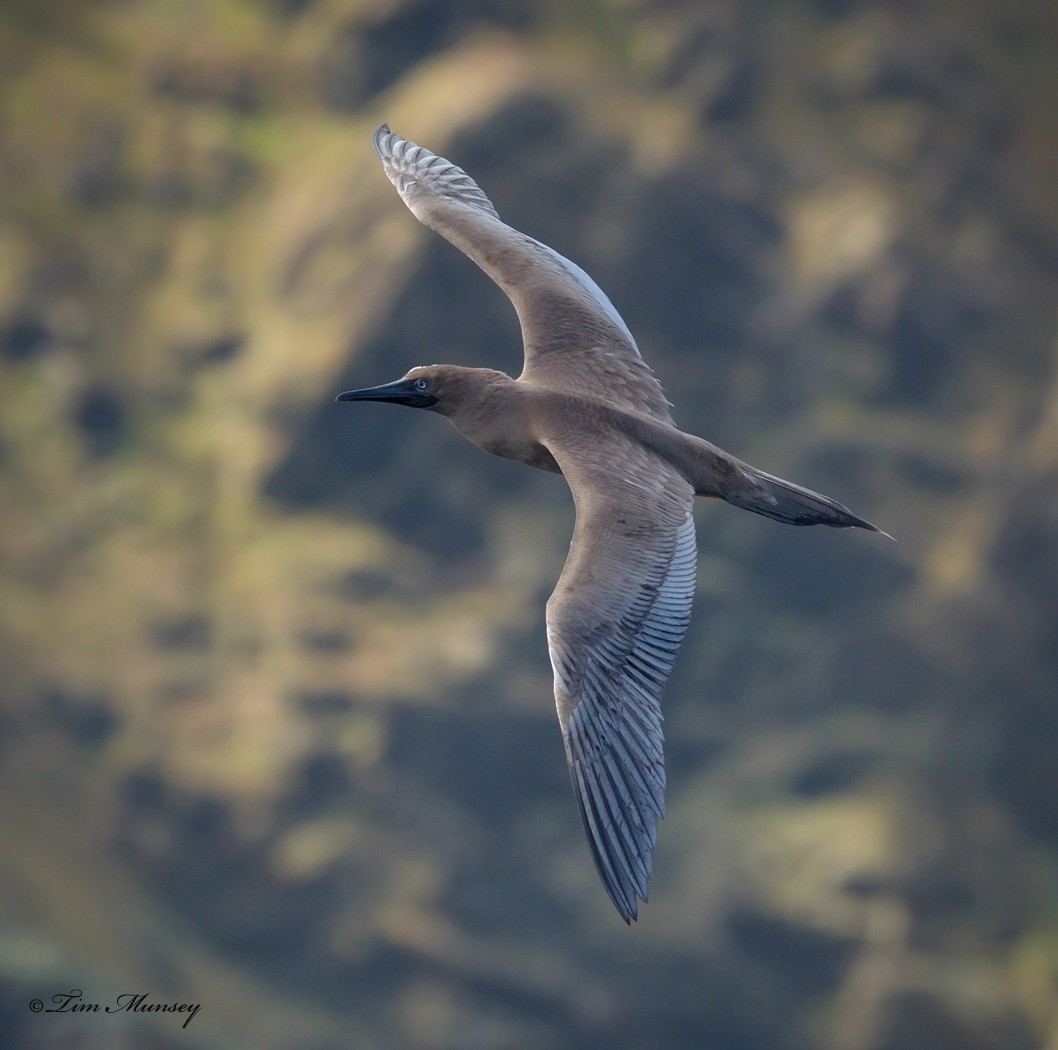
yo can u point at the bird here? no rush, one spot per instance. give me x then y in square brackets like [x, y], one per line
[587, 406]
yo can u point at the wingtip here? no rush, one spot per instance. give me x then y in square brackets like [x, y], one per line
[628, 910]
[377, 136]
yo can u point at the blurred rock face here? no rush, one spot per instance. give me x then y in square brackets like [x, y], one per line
[288, 657]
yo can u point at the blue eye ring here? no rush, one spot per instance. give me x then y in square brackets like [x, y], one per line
[420, 384]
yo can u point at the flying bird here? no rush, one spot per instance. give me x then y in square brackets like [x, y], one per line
[587, 406]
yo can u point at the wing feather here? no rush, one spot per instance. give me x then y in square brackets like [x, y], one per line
[613, 638]
[574, 337]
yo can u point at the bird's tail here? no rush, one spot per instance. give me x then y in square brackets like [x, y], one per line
[789, 503]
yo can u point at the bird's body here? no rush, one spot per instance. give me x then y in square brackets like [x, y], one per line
[587, 406]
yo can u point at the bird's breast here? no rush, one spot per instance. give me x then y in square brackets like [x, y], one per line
[526, 450]
[506, 432]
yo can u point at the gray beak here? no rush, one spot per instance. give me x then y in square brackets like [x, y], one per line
[402, 392]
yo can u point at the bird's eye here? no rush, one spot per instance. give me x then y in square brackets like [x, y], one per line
[420, 384]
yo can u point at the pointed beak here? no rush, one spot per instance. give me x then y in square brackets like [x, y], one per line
[402, 392]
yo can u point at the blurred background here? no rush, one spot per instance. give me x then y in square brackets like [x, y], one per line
[276, 726]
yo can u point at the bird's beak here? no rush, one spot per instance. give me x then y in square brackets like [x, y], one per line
[402, 392]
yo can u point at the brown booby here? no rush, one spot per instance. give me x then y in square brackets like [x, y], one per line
[587, 406]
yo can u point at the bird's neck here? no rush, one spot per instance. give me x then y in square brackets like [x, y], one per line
[497, 419]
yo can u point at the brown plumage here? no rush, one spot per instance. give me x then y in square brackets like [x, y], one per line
[587, 406]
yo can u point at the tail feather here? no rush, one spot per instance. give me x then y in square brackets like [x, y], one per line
[791, 504]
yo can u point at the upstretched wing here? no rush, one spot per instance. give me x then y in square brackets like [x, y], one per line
[614, 625]
[574, 338]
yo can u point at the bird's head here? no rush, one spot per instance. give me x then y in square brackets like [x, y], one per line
[442, 388]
